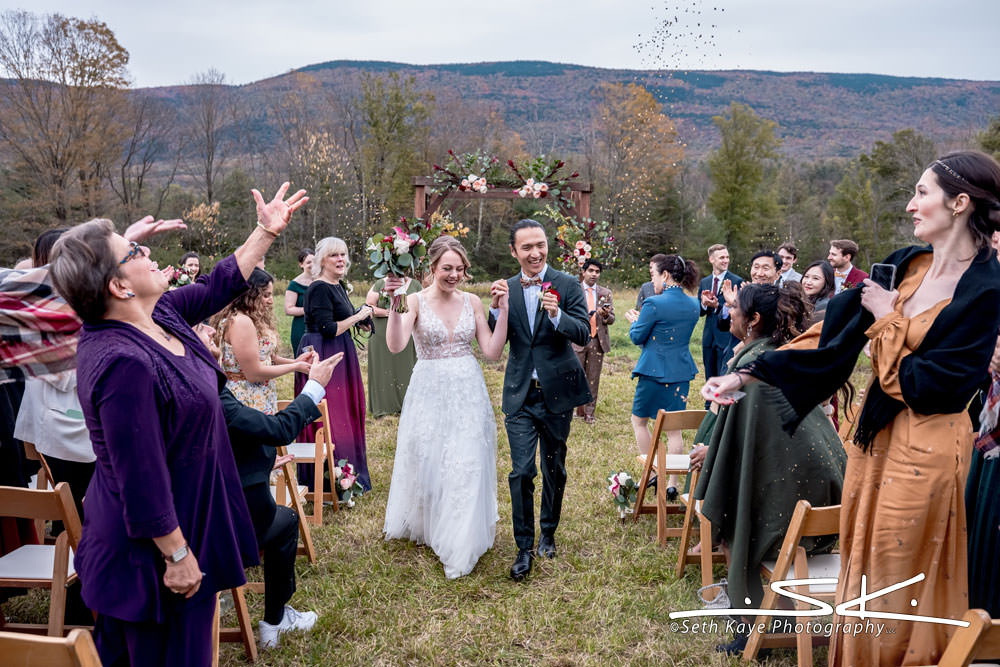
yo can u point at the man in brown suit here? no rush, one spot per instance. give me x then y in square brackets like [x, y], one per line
[602, 314]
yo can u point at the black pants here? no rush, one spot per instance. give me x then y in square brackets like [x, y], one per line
[277, 530]
[77, 475]
[529, 429]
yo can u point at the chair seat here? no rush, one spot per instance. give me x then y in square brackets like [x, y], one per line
[686, 498]
[301, 488]
[305, 452]
[674, 462]
[33, 483]
[822, 566]
[32, 561]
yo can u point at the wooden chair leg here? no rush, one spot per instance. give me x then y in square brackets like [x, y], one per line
[331, 463]
[305, 532]
[705, 536]
[246, 629]
[661, 493]
[803, 640]
[57, 601]
[215, 633]
[640, 503]
[317, 516]
[682, 548]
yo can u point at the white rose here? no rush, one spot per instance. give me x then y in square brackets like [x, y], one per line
[473, 177]
[482, 189]
[401, 245]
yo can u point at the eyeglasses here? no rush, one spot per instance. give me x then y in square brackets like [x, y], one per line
[135, 250]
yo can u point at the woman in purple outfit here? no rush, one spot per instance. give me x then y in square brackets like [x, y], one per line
[330, 315]
[166, 523]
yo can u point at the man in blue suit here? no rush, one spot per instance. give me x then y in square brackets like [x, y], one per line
[716, 345]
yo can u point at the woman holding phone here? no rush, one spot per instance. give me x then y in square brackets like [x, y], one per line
[931, 340]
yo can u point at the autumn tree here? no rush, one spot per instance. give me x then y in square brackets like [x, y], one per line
[208, 113]
[742, 196]
[989, 139]
[387, 126]
[633, 154]
[65, 74]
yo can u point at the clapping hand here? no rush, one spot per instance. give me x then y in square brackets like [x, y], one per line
[632, 315]
[282, 460]
[275, 214]
[142, 229]
[728, 291]
[322, 371]
[708, 300]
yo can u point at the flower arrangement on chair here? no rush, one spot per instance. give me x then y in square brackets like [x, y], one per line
[347, 483]
[624, 490]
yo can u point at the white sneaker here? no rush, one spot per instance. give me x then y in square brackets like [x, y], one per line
[292, 620]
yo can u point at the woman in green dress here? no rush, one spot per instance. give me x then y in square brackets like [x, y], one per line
[295, 297]
[388, 373]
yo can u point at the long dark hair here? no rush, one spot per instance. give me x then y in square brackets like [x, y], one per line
[829, 280]
[250, 303]
[784, 311]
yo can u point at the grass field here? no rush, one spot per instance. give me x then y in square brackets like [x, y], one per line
[603, 600]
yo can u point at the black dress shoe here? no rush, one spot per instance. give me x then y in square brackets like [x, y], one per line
[672, 493]
[547, 546]
[651, 484]
[739, 644]
[522, 565]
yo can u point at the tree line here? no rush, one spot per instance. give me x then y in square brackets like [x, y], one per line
[78, 141]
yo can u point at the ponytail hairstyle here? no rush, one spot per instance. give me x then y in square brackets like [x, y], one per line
[681, 271]
[784, 311]
[977, 175]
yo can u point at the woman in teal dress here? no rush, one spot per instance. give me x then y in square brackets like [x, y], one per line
[295, 297]
[388, 373]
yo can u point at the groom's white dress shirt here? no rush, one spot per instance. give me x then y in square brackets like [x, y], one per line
[532, 295]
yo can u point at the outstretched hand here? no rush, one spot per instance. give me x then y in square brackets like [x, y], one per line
[275, 214]
[147, 227]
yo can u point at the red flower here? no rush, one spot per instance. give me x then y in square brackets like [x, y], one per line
[575, 174]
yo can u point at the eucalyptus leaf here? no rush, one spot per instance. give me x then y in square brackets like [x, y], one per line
[405, 260]
[419, 251]
[376, 257]
[381, 271]
[387, 255]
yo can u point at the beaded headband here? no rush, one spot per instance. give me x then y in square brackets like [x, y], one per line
[951, 172]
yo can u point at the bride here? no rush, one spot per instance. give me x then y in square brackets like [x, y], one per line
[444, 481]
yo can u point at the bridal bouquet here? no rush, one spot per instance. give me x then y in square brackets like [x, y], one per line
[347, 484]
[400, 252]
[177, 277]
[624, 490]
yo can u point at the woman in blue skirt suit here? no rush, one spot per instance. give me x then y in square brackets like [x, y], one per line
[663, 330]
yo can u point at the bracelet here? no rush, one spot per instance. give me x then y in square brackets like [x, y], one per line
[261, 225]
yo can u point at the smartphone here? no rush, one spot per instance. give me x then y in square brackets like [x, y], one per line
[308, 349]
[884, 275]
[734, 395]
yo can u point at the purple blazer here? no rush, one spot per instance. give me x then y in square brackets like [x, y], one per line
[163, 456]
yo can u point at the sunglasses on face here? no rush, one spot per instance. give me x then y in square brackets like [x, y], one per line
[135, 250]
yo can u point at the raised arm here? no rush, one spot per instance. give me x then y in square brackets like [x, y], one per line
[272, 218]
[492, 342]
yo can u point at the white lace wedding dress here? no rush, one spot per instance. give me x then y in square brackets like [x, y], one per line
[444, 480]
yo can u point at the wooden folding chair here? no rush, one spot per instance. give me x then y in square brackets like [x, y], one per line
[42, 565]
[43, 480]
[979, 641]
[243, 633]
[321, 455]
[666, 465]
[708, 555]
[807, 521]
[23, 650]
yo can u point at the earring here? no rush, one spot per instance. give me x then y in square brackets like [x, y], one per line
[749, 331]
[130, 294]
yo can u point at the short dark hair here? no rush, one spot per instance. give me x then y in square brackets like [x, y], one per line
[846, 247]
[526, 223]
[188, 255]
[305, 252]
[589, 262]
[790, 248]
[83, 265]
[775, 257]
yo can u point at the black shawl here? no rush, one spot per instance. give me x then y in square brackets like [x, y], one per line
[939, 377]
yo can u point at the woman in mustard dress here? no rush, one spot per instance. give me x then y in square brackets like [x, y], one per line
[903, 510]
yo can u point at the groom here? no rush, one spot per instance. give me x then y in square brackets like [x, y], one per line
[542, 385]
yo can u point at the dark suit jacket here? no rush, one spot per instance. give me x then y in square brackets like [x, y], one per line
[712, 335]
[549, 351]
[254, 435]
[603, 337]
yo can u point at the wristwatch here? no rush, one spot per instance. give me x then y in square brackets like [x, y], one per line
[177, 556]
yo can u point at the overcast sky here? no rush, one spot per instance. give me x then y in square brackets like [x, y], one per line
[248, 40]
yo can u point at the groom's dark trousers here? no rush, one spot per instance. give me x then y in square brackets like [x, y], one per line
[539, 412]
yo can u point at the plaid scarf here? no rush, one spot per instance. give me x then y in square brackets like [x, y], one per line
[988, 440]
[38, 329]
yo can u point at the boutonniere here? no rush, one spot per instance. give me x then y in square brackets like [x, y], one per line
[547, 289]
[847, 285]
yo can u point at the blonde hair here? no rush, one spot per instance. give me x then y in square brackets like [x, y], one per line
[324, 249]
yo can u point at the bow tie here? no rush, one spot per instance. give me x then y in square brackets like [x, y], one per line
[531, 282]
[841, 274]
